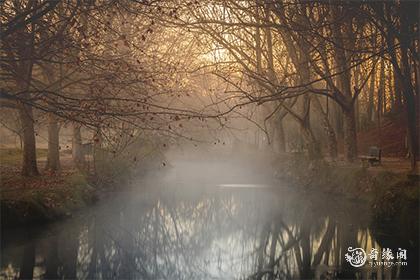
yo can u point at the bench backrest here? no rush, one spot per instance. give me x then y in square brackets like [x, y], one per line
[375, 152]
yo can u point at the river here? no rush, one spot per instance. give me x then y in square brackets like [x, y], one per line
[207, 220]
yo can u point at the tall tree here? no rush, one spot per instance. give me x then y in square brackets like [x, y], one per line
[399, 24]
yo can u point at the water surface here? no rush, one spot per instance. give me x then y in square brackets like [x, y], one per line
[232, 221]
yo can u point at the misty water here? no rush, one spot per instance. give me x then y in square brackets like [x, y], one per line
[202, 219]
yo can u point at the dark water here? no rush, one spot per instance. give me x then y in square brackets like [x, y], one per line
[228, 222]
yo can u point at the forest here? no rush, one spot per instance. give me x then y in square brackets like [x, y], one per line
[211, 139]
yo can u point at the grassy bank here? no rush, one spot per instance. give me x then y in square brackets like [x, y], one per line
[35, 200]
[53, 196]
[350, 180]
[45, 198]
[13, 156]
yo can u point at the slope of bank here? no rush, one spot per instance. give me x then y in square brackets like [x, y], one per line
[351, 180]
[40, 199]
[26, 201]
[53, 196]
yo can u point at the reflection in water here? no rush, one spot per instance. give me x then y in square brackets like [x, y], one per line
[217, 233]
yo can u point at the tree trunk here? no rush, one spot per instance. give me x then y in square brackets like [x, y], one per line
[261, 250]
[94, 241]
[342, 34]
[350, 137]
[416, 67]
[384, 98]
[325, 245]
[69, 246]
[281, 140]
[23, 80]
[29, 165]
[52, 261]
[53, 159]
[98, 155]
[337, 118]
[28, 262]
[273, 249]
[329, 130]
[313, 146]
[306, 251]
[411, 125]
[357, 114]
[311, 143]
[381, 91]
[77, 145]
[348, 239]
[398, 96]
[391, 91]
[356, 75]
[409, 93]
[257, 38]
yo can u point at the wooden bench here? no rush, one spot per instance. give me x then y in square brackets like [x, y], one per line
[373, 157]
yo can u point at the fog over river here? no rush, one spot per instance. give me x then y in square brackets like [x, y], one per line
[226, 218]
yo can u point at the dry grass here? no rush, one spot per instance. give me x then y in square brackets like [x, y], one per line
[13, 156]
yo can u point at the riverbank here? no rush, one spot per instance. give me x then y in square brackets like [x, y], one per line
[393, 196]
[41, 199]
[53, 196]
